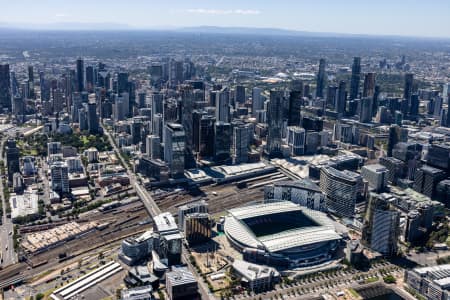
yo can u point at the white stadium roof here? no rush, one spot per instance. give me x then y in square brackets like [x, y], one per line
[303, 236]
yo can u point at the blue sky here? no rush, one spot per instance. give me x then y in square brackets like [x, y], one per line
[395, 17]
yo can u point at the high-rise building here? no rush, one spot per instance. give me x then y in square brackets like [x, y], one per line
[191, 208]
[157, 103]
[321, 78]
[342, 189]
[80, 75]
[174, 148]
[153, 146]
[356, 77]
[414, 105]
[30, 74]
[53, 148]
[426, 179]
[59, 177]
[241, 142]
[369, 85]
[365, 111]
[295, 102]
[93, 123]
[439, 156]
[197, 228]
[331, 96]
[222, 141]
[396, 168]
[381, 225]
[446, 92]
[206, 136]
[5, 87]
[90, 83]
[223, 105]
[275, 123]
[437, 109]
[257, 101]
[376, 175]
[240, 94]
[443, 192]
[408, 87]
[12, 159]
[341, 99]
[296, 139]
[396, 134]
[122, 83]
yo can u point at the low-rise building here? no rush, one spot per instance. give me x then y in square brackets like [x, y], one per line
[24, 205]
[139, 293]
[257, 278]
[431, 282]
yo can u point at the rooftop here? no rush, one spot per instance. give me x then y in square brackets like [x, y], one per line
[23, 205]
[180, 276]
[322, 230]
[252, 271]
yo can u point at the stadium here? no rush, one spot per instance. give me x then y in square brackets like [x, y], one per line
[281, 233]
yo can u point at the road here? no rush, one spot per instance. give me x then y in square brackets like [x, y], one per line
[310, 288]
[154, 210]
[6, 239]
[148, 201]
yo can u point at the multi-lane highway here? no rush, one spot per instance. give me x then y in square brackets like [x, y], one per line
[6, 229]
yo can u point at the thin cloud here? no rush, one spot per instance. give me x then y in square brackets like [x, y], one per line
[204, 11]
[61, 15]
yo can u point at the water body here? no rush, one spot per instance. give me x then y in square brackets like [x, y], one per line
[390, 296]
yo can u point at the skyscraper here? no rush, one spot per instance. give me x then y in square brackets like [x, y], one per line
[5, 87]
[92, 118]
[257, 101]
[206, 136]
[376, 176]
[381, 225]
[369, 85]
[365, 110]
[275, 123]
[222, 141]
[356, 77]
[408, 88]
[396, 134]
[12, 159]
[296, 137]
[341, 189]
[174, 148]
[341, 100]
[241, 142]
[90, 79]
[295, 103]
[60, 177]
[223, 105]
[240, 94]
[122, 83]
[331, 96]
[80, 75]
[321, 79]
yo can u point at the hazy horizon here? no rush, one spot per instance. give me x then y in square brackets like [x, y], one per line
[411, 18]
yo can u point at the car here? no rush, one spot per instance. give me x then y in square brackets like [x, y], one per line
[10, 233]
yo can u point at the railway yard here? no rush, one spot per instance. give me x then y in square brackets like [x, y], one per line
[219, 197]
[124, 221]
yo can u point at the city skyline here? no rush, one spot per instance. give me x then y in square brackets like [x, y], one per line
[402, 18]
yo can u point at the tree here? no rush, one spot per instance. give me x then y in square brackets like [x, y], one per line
[389, 279]
[39, 296]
